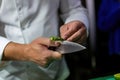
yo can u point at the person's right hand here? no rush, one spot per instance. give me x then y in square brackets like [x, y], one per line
[37, 51]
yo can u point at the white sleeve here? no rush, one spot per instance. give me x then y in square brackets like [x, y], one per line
[73, 10]
[3, 43]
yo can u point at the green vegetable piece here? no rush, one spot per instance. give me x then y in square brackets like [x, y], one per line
[54, 38]
[117, 76]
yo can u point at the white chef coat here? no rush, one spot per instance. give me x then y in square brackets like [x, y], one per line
[26, 20]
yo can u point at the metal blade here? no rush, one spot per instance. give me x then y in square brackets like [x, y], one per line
[69, 47]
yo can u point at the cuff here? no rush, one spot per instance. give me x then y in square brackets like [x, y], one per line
[79, 14]
[83, 18]
[3, 43]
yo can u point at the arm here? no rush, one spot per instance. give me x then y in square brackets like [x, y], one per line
[73, 10]
[76, 21]
[37, 51]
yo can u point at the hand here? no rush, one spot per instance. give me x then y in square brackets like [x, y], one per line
[37, 51]
[74, 31]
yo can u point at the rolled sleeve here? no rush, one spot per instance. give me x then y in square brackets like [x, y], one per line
[74, 10]
[3, 43]
[80, 15]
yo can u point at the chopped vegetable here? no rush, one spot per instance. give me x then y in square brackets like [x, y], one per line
[117, 76]
[54, 38]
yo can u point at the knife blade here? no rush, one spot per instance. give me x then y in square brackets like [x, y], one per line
[67, 47]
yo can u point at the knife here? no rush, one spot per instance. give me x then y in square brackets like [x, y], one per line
[67, 46]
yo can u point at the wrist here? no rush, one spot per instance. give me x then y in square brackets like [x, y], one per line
[13, 51]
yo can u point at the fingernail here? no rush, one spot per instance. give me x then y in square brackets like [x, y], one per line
[65, 37]
[58, 43]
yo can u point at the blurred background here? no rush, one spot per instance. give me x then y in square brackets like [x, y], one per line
[95, 61]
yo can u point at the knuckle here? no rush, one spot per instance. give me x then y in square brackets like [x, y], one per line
[43, 63]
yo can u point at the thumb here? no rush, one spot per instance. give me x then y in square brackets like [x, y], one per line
[46, 42]
[56, 55]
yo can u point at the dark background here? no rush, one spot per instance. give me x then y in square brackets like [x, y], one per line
[80, 63]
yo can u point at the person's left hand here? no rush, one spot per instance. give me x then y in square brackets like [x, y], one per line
[74, 31]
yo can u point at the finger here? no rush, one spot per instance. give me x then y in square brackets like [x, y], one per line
[48, 42]
[43, 64]
[56, 55]
[63, 30]
[53, 54]
[82, 40]
[71, 29]
[77, 35]
[49, 61]
[68, 33]
[50, 57]
[55, 43]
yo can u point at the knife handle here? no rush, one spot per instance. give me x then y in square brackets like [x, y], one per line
[52, 48]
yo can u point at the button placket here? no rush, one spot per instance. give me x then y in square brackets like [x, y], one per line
[19, 6]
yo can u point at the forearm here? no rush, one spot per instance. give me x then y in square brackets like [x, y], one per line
[14, 51]
[37, 51]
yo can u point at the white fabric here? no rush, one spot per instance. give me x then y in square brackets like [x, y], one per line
[3, 43]
[24, 21]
